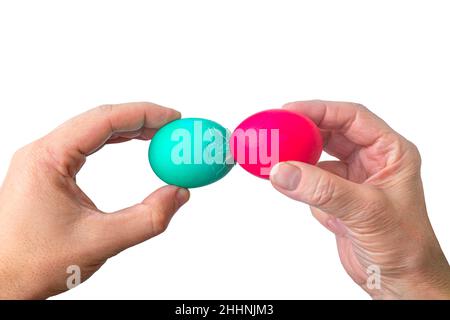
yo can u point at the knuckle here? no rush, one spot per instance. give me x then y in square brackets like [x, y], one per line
[409, 153]
[20, 153]
[26, 151]
[414, 152]
[359, 107]
[323, 191]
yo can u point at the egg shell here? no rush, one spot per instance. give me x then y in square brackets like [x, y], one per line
[274, 136]
[191, 152]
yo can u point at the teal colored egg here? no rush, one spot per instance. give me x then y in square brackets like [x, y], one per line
[191, 152]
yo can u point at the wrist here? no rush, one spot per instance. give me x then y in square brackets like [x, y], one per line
[420, 289]
[434, 285]
[427, 280]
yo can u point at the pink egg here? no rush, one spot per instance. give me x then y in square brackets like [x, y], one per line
[268, 137]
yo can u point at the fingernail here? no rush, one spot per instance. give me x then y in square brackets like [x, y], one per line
[182, 196]
[285, 176]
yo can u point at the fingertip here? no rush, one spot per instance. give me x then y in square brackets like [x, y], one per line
[164, 192]
[274, 170]
[173, 113]
[167, 195]
[285, 176]
[182, 196]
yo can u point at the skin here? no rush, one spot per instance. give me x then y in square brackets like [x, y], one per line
[47, 223]
[372, 199]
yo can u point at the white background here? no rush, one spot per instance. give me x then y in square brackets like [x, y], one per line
[225, 60]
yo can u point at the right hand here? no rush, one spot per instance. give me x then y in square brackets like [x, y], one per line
[372, 199]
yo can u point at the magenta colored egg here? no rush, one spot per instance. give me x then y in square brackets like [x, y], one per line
[268, 137]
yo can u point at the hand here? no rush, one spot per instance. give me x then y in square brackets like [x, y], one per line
[372, 199]
[47, 223]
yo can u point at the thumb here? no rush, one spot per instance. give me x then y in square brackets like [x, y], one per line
[321, 189]
[128, 227]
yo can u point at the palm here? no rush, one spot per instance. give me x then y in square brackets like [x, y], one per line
[360, 165]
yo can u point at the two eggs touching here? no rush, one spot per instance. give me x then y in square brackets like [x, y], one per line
[194, 152]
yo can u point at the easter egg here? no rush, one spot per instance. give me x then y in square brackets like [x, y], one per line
[191, 152]
[268, 137]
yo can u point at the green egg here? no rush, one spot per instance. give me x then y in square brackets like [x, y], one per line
[191, 152]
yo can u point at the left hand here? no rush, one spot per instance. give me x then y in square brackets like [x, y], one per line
[47, 223]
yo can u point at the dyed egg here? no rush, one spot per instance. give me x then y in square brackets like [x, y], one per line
[268, 137]
[191, 152]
